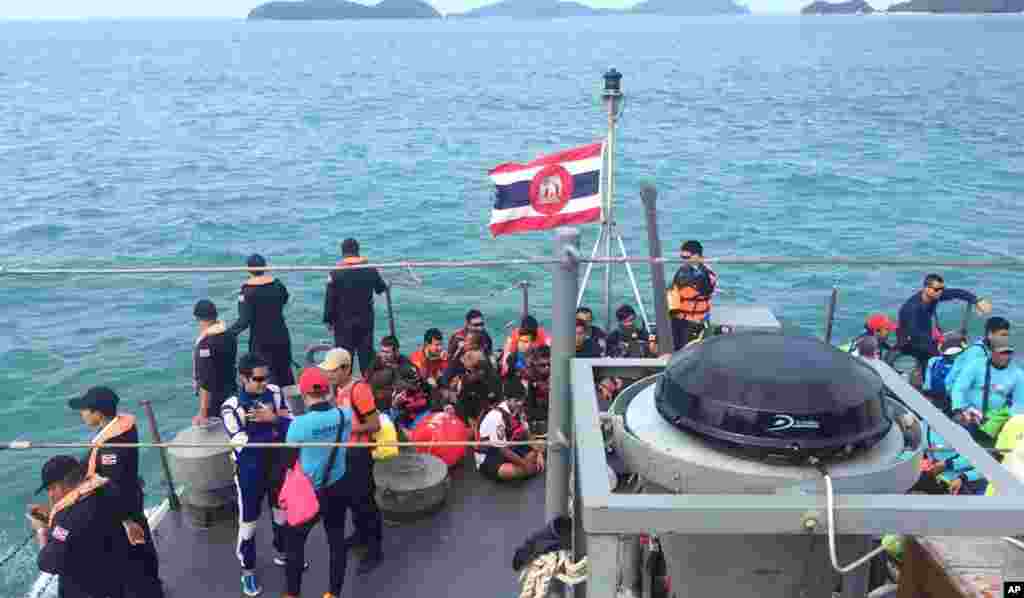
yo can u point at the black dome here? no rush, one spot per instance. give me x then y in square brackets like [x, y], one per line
[772, 396]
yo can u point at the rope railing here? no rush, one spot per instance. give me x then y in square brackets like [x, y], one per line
[1002, 263]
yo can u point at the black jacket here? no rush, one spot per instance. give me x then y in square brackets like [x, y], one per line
[916, 319]
[86, 547]
[631, 344]
[261, 308]
[349, 298]
[215, 357]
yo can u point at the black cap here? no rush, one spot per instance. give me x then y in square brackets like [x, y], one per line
[256, 261]
[205, 310]
[99, 398]
[56, 469]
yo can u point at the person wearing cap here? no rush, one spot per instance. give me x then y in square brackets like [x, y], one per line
[689, 297]
[326, 469]
[980, 349]
[935, 375]
[878, 326]
[261, 304]
[81, 537]
[119, 464]
[348, 303]
[987, 393]
[258, 413]
[629, 339]
[213, 362]
[919, 335]
[357, 397]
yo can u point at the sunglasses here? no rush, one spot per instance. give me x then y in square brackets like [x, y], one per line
[686, 256]
[479, 324]
[937, 289]
[258, 379]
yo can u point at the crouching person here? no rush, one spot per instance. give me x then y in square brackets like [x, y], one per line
[325, 468]
[502, 424]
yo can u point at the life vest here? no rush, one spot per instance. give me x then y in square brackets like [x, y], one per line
[120, 425]
[428, 368]
[691, 299]
[512, 346]
[387, 433]
[344, 400]
[87, 487]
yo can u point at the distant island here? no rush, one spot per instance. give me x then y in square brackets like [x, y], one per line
[958, 6]
[852, 7]
[548, 9]
[311, 10]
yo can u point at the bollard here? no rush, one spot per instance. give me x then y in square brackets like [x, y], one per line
[563, 349]
[666, 340]
[172, 496]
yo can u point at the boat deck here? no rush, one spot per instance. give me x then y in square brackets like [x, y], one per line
[465, 549]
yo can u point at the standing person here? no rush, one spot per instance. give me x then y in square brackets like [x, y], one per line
[356, 397]
[919, 336]
[213, 362]
[474, 323]
[348, 304]
[261, 309]
[258, 413]
[325, 468]
[119, 464]
[689, 297]
[81, 538]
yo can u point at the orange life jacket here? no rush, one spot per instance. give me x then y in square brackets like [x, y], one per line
[512, 346]
[121, 424]
[428, 368]
[87, 487]
[687, 303]
[344, 399]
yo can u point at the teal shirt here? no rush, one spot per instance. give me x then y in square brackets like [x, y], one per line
[1007, 385]
[977, 351]
[320, 424]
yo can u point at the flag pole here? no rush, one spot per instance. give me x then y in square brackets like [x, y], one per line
[612, 96]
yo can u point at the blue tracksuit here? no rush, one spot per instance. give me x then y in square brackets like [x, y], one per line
[977, 351]
[258, 471]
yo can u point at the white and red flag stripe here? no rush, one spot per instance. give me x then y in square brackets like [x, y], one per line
[555, 190]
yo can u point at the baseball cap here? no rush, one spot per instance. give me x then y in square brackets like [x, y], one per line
[1000, 344]
[205, 310]
[56, 469]
[879, 322]
[313, 381]
[953, 345]
[335, 358]
[99, 398]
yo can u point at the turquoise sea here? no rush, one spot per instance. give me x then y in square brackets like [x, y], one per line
[130, 143]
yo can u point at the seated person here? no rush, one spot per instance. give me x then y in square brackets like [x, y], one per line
[533, 384]
[987, 393]
[474, 324]
[609, 388]
[528, 335]
[979, 350]
[934, 386]
[385, 370]
[502, 463]
[630, 339]
[586, 346]
[431, 360]
[475, 390]
[411, 400]
[599, 336]
[879, 327]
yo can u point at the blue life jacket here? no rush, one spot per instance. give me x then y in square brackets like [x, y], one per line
[937, 371]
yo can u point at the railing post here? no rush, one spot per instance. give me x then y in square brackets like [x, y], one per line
[172, 496]
[391, 313]
[666, 341]
[563, 349]
[526, 297]
[830, 314]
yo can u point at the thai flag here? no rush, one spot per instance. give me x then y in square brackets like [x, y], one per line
[556, 190]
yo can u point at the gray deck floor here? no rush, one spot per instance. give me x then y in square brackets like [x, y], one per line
[465, 549]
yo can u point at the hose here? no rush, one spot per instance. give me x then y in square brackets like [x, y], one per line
[832, 533]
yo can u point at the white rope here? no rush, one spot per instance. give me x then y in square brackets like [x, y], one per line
[536, 577]
[832, 536]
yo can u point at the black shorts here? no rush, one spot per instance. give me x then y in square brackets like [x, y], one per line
[489, 468]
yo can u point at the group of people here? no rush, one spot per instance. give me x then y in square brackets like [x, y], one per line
[977, 385]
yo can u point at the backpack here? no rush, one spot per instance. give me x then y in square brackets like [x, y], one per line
[938, 371]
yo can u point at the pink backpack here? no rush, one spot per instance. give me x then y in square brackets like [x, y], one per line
[298, 497]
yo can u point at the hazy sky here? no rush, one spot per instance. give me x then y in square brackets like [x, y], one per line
[239, 8]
